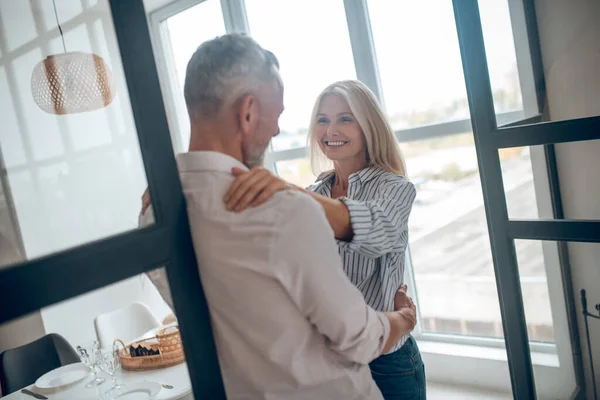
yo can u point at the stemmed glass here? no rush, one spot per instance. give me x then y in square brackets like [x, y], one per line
[111, 362]
[91, 356]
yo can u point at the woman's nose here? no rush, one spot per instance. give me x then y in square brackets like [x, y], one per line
[331, 130]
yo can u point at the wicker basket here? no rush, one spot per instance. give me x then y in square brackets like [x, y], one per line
[167, 342]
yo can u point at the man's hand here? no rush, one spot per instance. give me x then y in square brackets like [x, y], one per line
[402, 320]
[169, 319]
[404, 305]
[402, 300]
[146, 201]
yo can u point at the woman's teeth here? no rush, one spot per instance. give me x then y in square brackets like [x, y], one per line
[339, 143]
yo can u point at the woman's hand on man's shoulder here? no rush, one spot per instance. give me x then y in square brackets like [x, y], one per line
[253, 188]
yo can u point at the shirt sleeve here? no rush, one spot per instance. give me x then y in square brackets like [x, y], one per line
[310, 269]
[380, 225]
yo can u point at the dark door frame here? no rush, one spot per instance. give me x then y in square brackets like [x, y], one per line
[38, 283]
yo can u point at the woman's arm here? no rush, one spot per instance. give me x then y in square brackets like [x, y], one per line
[253, 188]
[372, 228]
[379, 226]
[337, 214]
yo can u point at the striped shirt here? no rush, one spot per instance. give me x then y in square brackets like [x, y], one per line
[379, 203]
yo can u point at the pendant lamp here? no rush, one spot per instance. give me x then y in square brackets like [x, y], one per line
[72, 82]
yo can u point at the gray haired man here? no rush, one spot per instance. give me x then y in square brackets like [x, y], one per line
[288, 324]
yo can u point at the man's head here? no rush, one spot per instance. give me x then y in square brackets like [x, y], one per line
[233, 85]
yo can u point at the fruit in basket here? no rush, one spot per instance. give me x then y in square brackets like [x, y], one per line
[142, 351]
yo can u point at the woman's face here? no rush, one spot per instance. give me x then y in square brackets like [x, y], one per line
[338, 132]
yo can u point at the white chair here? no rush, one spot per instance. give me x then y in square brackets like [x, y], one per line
[127, 323]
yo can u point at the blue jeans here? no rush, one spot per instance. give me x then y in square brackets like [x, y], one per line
[401, 374]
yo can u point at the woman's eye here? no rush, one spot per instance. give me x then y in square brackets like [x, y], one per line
[346, 119]
[322, 120]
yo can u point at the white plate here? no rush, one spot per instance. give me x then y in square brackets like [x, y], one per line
[137, 391]
[62, 377]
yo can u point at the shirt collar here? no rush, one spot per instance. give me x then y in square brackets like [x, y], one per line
[363, 176]
[204, 161]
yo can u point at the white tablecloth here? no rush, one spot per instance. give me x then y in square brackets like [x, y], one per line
[176, 376]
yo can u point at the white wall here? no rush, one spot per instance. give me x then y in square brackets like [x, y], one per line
[570, 41]
[73, 178]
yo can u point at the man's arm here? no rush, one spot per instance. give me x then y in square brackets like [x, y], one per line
[310, 268]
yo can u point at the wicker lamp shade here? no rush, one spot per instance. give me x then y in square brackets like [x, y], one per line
[71, 83]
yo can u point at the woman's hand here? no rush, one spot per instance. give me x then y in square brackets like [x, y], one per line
[252, 188]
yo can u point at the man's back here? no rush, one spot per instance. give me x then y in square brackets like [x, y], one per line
[288, 324]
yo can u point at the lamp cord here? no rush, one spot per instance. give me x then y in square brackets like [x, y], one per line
[59, 28]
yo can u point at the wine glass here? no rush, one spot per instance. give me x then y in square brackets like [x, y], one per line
[90, 355]
[111, 362]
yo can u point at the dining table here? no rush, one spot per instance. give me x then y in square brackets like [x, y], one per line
[176, 381]
[176, 376]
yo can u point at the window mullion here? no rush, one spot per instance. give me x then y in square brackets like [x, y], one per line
[363, 48]
[234, 15]
[527, 78]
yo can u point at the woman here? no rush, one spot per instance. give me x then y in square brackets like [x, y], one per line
[367, 201]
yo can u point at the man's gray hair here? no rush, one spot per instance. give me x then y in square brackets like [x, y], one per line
[223, 70]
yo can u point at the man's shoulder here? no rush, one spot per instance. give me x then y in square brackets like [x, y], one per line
[294, 202]
[297, 213]
[301, 226]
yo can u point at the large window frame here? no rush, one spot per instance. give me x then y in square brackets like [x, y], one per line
[473, 358]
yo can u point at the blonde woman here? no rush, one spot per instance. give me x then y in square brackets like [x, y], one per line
[367, 200]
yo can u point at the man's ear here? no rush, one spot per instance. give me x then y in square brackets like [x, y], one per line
[247, 114]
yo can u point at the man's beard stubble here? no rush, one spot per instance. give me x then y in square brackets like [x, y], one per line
[254, 158]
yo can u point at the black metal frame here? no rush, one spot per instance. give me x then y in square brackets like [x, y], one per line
[32, 285]
[586, 315]
[489, 138]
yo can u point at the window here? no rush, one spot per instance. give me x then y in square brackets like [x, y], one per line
[181, 33]
[423, 84]
[414, 58]
[309, 62]
[419, 61]
[501, 55]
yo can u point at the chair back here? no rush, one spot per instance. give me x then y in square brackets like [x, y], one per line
[22, 366]
[127, 324]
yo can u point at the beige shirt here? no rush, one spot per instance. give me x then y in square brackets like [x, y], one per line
[288, 323]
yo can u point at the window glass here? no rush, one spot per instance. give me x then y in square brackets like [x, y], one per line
[311, 40]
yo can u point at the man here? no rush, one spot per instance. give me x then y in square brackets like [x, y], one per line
[288, 324]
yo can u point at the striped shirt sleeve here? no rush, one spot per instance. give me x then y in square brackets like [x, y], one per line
[379, 224]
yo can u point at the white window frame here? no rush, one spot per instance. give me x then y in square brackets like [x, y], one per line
[456, 359]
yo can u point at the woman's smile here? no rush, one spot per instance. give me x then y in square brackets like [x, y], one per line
[335, 143]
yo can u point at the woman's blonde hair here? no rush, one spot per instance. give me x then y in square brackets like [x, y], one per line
[382, 147]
